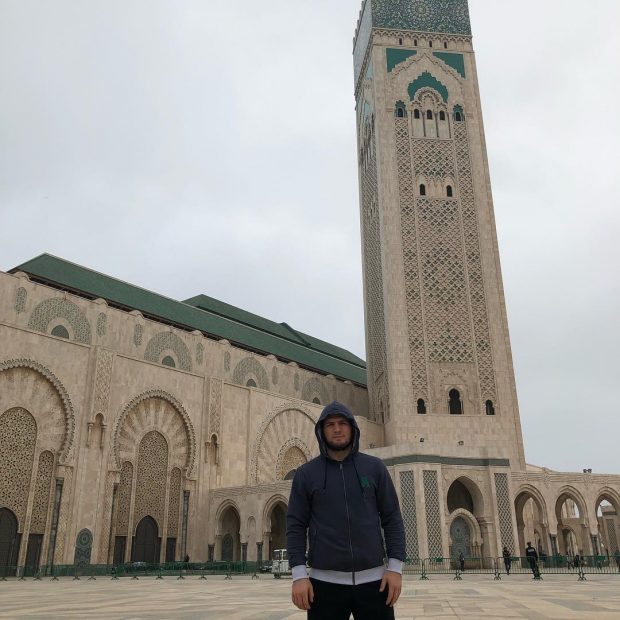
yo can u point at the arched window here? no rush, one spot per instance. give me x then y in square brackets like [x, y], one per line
[169, 361]
[421, 406]
[251, 383]
[400, 41]
[458, 117]
[416, 113]
[489, 407]
[455, 404]
[429, 115]
[430, 44]
[415, 43]
[445, 45]
[449, 192]
[422, 190]
[442, 116]
[400, 113]
[316, 401]
[60, 331]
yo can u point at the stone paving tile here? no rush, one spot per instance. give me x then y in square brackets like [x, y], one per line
[557, 598]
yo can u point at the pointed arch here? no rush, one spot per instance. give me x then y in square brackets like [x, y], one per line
[67, 406]
[176, 405]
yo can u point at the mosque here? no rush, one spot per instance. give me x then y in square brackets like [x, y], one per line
[134, 427]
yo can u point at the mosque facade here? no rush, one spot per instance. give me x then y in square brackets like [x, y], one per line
[134, 427]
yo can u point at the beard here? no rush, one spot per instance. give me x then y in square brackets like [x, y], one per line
[336, 447]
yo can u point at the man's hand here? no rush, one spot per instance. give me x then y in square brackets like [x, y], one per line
[303, 594]
[394, 583]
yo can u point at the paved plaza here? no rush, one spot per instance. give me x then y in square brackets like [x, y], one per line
[560, 597]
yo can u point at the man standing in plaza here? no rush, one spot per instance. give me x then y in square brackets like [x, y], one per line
[340, 504]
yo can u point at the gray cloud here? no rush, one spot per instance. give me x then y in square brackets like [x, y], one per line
[195, 146]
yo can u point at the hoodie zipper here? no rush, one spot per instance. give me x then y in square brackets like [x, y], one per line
[346, 503]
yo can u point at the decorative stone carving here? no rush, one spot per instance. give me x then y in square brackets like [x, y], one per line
[215, 407]
[250, 366]
[102, 325]
[151, 478]
[20, 299]
[279, 425]
[57, 423]
[45, 472]
[292, 455]
[18, 436]
[165, 341]
[103, 378]
[55, 308]
[314, 388]
[157, 410]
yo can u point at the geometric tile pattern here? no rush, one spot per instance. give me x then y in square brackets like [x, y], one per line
[124, 499]
[18, 435]
[42, 489]
[504, 511]
[250, 366]
[449, 16]
[174, 502]
[168, 341]
[56, 308]
[314, 388]
[371, 236]
[151, 478]
[417, 353]
[407, 497]
[20, 299]
[484, 357]
[433, 518]
[83, 548]
[612, 538]
[102, 321]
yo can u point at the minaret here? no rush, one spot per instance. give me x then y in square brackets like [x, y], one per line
[438, 348]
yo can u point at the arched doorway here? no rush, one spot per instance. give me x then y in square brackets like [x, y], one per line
[571, 517]
[9, 542]
[607, 510]
[146, 542]
[230, 526]
[460, 538]
[465, 498]
[278, 528]
[532, 525]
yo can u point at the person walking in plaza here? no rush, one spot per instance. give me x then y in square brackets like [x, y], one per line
[532, 557]
[340, 504]
[507, 559]
[461, 561]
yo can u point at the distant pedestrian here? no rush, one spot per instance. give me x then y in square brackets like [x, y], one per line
[507, 559]
[617, 558]
[186, 559]
[462, 561]
[532, 557]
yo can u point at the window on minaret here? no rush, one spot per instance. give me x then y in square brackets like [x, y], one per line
[445, 45]
[251, 383]
[490, 408]
[415, 43]
[400, 41]
[449, 192]
[421, 406]
[416, 114]
[169, 361]
[422, 190]
[429, 115]
[454, 403]
[458, 117]
[442, 116]
[430, 44]
[400, 113]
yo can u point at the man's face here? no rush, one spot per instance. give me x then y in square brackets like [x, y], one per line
[337, 432]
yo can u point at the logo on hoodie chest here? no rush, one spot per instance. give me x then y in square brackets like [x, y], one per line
[365, 482]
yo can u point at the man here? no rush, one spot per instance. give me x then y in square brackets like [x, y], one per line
[532, 556]
[339, 503]
[507, 559]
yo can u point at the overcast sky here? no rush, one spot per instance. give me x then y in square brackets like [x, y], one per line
[209, 146]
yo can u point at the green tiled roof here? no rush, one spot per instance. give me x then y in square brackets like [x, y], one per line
[212, 317]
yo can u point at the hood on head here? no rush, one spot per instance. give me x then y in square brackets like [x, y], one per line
[340, 409]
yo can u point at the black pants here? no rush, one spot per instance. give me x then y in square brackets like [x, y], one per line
[336, 602]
